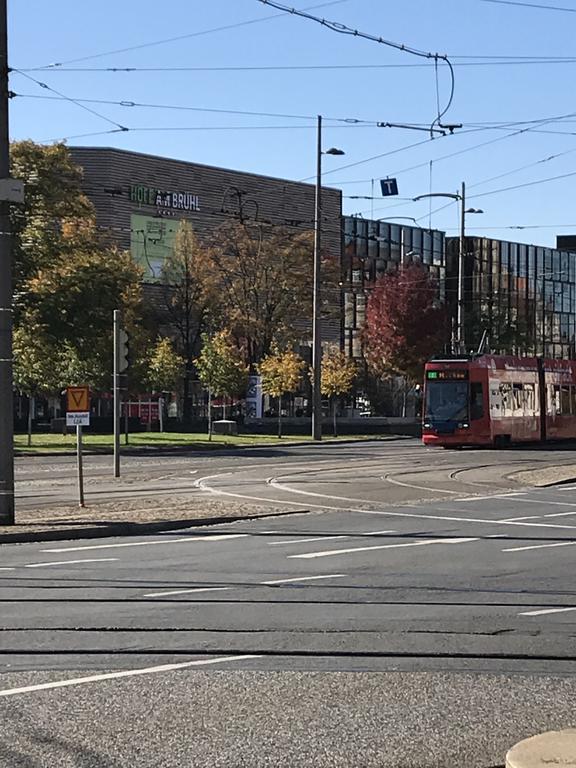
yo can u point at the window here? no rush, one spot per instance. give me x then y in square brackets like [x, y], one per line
[476, 400]
[565, 404]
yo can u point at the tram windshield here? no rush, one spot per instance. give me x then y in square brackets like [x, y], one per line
[446, 401]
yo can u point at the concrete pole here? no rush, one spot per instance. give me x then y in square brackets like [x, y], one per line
[6, 376]
[316, 326]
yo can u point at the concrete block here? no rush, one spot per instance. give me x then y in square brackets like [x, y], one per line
[547, 750]
[225, 427]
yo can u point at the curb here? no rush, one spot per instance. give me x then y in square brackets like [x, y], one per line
[177, 449]
[130, 529]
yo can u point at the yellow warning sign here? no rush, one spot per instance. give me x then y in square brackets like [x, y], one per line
[77, 399]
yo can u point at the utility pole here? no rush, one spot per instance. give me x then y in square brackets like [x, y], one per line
[6, 397]
[316, 328]
[460, 340]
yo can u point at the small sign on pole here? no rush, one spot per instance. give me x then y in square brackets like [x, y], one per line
[389, 187]
[78, 415]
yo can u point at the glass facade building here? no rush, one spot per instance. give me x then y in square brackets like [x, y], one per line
[372, 248]
[523, 296]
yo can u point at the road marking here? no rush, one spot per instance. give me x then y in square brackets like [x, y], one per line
[218, 537]
[547, 610]
[7, 569]
[329, 538]
[497, 536]
[546, 503]
[493, 496]
[73, 562]
[409, 515]
[303, 578]
[329, 553]
[187, 591]
[540, 546]
[306, 541]
[125, 673]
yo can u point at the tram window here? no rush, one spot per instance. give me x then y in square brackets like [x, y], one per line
[573, 389]
[565, 399]
[476, 401]
[556, 401]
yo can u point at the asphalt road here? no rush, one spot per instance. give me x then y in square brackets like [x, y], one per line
[450, 588]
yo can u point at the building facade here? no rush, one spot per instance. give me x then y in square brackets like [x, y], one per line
[372, 248]
[523, 296]
[141, 199]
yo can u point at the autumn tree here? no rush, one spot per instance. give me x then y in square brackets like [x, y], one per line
[165, 367]
[281, 372]
[221, 368]
[338, 374]
[265, 278]
[405, 324]
[190, 294]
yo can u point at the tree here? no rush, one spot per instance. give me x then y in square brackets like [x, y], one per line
[281, 372]
[405, 325]
[73, 300]
[53, 199]
[265, 277]
[220, 368]
[165, 367]
[337, 377]
[190, 297]
[34, 366]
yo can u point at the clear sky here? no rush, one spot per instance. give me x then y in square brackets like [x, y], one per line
[325, 73]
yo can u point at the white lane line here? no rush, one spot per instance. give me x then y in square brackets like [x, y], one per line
[497, 536]
[517, 519]
[303, 578]
[493, 496]
[540, 546]
[221, 537]
[361, 509]
[328, 538]
[545, 611]
[72, 562]
[329, 553]
[7, 569]
[546, 503]
[188, 591]
[125, 673]
[306, 541]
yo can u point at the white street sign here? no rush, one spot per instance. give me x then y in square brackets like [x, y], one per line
[80, 419]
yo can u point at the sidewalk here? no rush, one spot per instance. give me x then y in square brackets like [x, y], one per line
[129, 518]
[542, 478]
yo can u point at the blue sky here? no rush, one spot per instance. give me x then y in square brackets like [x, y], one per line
[373, 83]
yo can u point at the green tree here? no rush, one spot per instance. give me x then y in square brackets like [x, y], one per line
[281, 373]
[265, 279]
[34, 368]
[190, 297]
[221, 368]
[337, 377]
[165, 367]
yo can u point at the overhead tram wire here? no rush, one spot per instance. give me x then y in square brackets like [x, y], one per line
[539, 6]
[342, 29]
[224, 28]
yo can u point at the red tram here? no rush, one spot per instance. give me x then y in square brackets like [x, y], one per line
[497, 400]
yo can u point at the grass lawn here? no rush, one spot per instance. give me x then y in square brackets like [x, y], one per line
[61, 443]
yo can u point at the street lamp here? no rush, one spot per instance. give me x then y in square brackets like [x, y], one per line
[463, 211]
[316, 327]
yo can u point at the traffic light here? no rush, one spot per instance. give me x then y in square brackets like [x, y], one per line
[123, 351]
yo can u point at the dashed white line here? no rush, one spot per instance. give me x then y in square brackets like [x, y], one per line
[330, 538]
[540, 546]
[72, 562]
[125, 673]
[303, 578]
[218, 537]
[188, 591]
[545, 611]
[352, 550]
[493, 496]
[7, 569]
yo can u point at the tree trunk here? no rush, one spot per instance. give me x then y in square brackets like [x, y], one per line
[31, 409]
[280, 416]
[186, 405]
[334, 416]
[224, 407]
[209, 414]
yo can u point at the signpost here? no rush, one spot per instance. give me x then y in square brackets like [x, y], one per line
[78, 415]
[121, 363]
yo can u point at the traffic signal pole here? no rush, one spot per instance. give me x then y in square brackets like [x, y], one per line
[6, 397]
[116, 385]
